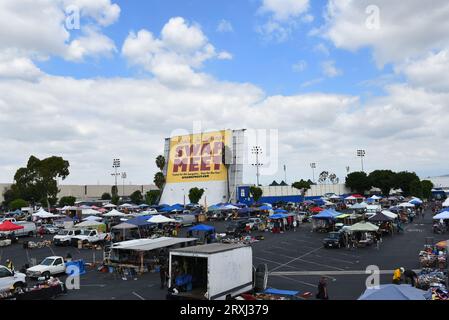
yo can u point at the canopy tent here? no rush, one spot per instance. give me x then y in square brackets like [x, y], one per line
[328, 203]
[124, 226]
[114, 213]
[358, 206]
[389, 214]
[85, 207]
[335, 197]
[406, 205]
[92, 218]
[363, 227]
[416, 201]
[380, 217]
[308, 202]
[141, 221]
[394, 292]
[444, 209]
[213, 208]
[160, 219]
[278, 216]
[358, 196]
[351, 198]
[144, 205]
[319, 202]
[280, 211]
[90, 212]
[446, 203]
[229, 207]
[442, 216]
[202, 227]
[42, 214]
[151, 244]
[68, 208]
[264, 208]
[9, 226]
[375, 197]
[127, 205]
[89, 224]
[110, 206]
[316, 209]
[327, 214]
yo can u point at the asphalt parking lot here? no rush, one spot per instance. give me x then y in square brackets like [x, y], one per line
[296, 261]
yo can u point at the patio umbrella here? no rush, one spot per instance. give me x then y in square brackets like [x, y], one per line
[9, 226]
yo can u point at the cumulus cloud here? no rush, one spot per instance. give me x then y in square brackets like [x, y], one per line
[400, 32]
[175, 57]
[13, 67]
[283, 10]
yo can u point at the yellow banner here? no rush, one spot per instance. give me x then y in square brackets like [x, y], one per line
[197, 157]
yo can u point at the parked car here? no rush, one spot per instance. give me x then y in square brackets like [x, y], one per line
[49, 266]
[89, 236]
[50, 229]
[185, 219]
[64, 237]
[334, 240]
[11, 280]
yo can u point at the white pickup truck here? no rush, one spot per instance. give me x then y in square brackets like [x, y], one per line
[11, 280]
[48, 267]
[89, 236]
[29, 228]
[64, 237]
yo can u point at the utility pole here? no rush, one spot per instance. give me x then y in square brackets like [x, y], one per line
[116, 166]
[285, 173]
[124, 176]
[361, 153]
[257, 151]
[313, 166]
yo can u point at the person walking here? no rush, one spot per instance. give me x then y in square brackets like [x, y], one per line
[322, 290]
[295, 224]
[163, 275]
[9, 265]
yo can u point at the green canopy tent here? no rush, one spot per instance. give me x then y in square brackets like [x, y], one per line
[363, 227]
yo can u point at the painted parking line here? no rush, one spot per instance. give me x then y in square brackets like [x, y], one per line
[307, 261]
[336, 259]
[271, 261]
[298, 281]
[298, 258]
[329, 273]
[138, 296]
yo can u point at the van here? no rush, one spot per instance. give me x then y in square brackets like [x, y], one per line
[185, 219]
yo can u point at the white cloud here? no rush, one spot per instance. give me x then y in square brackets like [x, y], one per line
[300, 66]
[283, 10]
[225, 26]
[176, 55]
[12, 67]
[322, 48]
[92, 44]
[405, 31]
[330, 70]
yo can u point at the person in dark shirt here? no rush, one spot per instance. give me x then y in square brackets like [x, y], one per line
[410, 276]
[322, 290]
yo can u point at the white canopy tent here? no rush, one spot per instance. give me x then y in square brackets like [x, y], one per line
[90, 212]
[88, 224]
[390, 214]
[375, 197]
[114, 213]
[359, 206]
[406, 205]
[126, 205]
[110, 206]
[42, 214]
[160, 219]
[351, 198]
[446, 203]
[93, 218]
[442, 216]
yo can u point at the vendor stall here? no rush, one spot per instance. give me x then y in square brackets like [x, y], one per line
[204, 233]
[325, 220]
[363, 233]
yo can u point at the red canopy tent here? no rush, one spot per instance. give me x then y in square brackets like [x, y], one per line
[9, 226]
[316, 209]
[358, 196]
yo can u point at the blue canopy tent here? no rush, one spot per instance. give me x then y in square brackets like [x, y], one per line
[327, 214]
[264, 208]
[144, 205]
[319, 202]
[141, 221]
[280, 211]
[202, 227]
[278, 216]
[444, 210]
[416, 201]
[204, 232]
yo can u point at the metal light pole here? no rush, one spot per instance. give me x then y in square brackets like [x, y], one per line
[313, 166]
[361, 153]
[124, 176]
[257, 151]
[184, 194]
[116, 166]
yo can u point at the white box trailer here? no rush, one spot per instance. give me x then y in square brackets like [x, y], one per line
[218, 271]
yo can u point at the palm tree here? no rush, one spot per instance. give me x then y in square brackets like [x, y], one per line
[160, 163]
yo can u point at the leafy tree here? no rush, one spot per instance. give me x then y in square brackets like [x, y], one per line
[114, 192]
[302, 185]
[136, 197]
[67, 201]
[416, 188]
[323, 177]
[9, 196]
[160, 163]
[195, 195]
[106, 196]
[159, 180]
[403, 180]
[18, 204]
[38, 180]
[152, 197]
[115, 200]
[256, 192]
[383, 179]
[427, 187]
[358, 182]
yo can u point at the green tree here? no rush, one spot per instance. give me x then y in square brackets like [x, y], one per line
[358, 182]
[67, 201]
[427, 187]
[302, 185]
[383, 179]
[136, 197]
[195, 195]
[159, 180]
[9, 196]
[256, 192]
[115, 200]
[416, 189]
[114, 192]
[106, 196]
[403, 180]
[18, 204]
[152, 196]
[160, 163]
[38, 181]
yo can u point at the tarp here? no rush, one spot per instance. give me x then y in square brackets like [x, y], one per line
[278, 216]
[9, 226]
[443, 215]
[380, 217]
[160, 219]
[281, 292]
[394, 292]
[202, 227]
[363, 227]
[140, 221]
